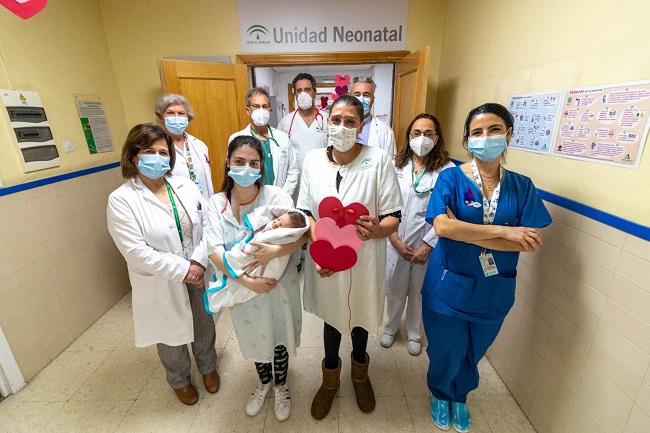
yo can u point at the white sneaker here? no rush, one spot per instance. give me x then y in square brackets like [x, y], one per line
[414, 347]
[256, 400]
[282, 402]
[386, 340]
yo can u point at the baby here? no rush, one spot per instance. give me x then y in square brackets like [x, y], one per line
[267, 224]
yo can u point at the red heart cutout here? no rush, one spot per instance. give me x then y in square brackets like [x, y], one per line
[327, 230]
[341, 90]
[335, 259]
[24, 8]
[343, 215]
[323, 102]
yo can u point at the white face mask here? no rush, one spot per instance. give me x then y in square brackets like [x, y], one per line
[342, 138]
[260, 117]
[423, 145]
[305, 101]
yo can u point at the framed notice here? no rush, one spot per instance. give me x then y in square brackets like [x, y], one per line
[605, 124]
[94, 123]
[536, 116]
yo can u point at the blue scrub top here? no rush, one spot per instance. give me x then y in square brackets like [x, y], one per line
[454, 283]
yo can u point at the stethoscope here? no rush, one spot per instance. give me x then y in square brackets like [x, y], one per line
[416, 182]
[253, 134]
[319, 126]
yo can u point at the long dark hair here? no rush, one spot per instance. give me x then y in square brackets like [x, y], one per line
[492, 108]
[436, 159]
[236, 143]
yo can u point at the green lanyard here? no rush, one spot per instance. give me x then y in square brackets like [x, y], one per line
[178, 220]
[188, 158]
[416, 182]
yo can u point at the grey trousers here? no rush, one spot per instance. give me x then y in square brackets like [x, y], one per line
[176, 359]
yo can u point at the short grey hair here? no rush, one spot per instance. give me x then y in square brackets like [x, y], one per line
[171, 99]
[257, 91]
[365, 80]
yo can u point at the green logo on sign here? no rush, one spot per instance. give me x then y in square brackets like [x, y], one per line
[257, 32]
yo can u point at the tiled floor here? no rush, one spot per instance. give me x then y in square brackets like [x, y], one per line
[102, 384]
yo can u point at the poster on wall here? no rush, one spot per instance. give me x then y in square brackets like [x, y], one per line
[94, 123]
[606, 124]
[536, 116]
[284, 26]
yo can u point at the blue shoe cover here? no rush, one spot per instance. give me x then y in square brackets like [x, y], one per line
[460, 417]
[440, 413]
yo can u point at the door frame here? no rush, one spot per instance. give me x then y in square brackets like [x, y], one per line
[336, 58]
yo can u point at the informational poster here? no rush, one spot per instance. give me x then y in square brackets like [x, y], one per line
[606, 124]
[284, 26]
[94, 123]
[536, 117]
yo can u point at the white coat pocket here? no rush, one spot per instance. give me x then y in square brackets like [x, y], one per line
[149, 290]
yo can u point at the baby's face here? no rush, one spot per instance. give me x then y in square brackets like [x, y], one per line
[281, 221]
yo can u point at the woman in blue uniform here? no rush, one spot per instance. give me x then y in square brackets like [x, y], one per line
[484, 216]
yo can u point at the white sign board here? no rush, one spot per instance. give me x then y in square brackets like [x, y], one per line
[536, 117]
[287, 26]
[94, 123]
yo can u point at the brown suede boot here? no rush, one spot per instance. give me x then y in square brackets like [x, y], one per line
[323, 399]
[362, 387]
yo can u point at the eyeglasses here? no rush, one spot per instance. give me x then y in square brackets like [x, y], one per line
[429, 134]
[256, 106]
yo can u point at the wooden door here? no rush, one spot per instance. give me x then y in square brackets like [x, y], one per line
[216, 93]
[410, 91]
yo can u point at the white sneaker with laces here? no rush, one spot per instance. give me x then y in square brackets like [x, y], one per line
[256, 400]
[282, 402]
[414, 347]
[386, 340]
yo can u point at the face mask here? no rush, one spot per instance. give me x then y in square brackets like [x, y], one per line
[305, 101]
[366, 104]
[260, 117]
[487, 148]
[153, 166]
[423, 145]
[176, 124]
[342, 138]
[244, 176]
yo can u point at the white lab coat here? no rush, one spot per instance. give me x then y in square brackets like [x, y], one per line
[404, 279]
[146, 235]
[305, 138]
[370, 180]
[200, 162]
[271, 318]
[285, 167]
[381, 135]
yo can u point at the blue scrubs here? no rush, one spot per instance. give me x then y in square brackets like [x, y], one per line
[463, 309]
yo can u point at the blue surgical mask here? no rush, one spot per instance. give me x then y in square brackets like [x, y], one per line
[176, 124]
[366, 104]
[153, 165]
[244, 176]
[487, 148]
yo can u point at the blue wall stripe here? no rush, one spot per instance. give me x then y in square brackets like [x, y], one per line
[619, 223]
[54, 179]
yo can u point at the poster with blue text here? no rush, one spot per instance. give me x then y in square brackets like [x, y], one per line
[536, 116]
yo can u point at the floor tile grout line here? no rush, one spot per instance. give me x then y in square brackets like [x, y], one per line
[117, 427]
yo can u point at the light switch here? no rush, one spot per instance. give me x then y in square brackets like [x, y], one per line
[68, 145]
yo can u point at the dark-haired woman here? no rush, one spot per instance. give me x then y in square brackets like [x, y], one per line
[422, 157]
[156, 221]
[484, 216]
[267, 326]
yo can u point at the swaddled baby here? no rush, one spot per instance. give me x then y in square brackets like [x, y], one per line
[274, 225]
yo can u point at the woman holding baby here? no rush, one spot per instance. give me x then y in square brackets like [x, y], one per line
[268, 325]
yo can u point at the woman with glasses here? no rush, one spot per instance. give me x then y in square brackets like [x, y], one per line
[422, 157]
[351, 301]
[280, 166]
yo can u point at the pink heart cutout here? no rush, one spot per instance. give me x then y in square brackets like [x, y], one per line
[24, 9]
[343, 215]
[335, 259]
[327, 230]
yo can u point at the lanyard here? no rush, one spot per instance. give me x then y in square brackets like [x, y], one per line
[489, 208]
[176, 218]
[188, 159]
[315, 119]
[416, 182]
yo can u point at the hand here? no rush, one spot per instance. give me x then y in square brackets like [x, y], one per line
[450, 214]
[195, 274]
[323, 272]
[530, 239]
[257, 284]
[401, 247]
[421, 255]
[368, 228]
[263, 254]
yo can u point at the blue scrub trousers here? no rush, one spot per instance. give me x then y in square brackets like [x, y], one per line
[455, 348]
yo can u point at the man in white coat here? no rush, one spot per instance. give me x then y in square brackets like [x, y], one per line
[375, 132]
[280, 165]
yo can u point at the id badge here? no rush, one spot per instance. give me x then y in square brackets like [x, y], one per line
[488, 264]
